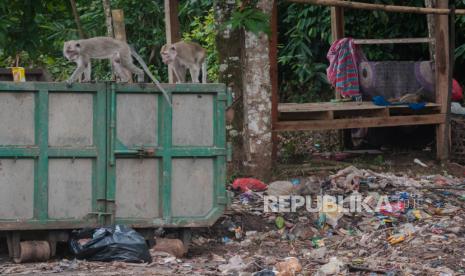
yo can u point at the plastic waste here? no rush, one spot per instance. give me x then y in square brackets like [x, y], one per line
[405, 233]
[290, 266]
[173, 246]
[317, 242]
[280, 223]
[265, 272]
[279, 188]
[235, 264]
[418, 162]
[332, 212]
[107, 244]
[334, 266]
[393, 209]
[245, 184]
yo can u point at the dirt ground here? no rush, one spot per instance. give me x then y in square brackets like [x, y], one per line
[423, 239]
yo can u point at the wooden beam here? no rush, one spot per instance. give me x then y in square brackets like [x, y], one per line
[337, 29]
[442, 78]
[273, 54]
[394, 40]
[378, 7]
[337, 23]
[432, 119]
[173, 33]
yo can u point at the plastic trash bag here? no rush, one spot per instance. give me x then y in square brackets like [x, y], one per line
[112, 243]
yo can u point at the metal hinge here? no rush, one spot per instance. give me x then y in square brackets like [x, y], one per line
[145, 152]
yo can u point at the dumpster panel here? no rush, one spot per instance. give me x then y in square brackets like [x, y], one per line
[69, 188]
[17, 188]
[193, 120]
[192, 188]
[16, 119]
[137, 184]
[70, 119]
[137, 121]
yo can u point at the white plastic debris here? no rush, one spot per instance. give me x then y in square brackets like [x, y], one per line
[417, 161]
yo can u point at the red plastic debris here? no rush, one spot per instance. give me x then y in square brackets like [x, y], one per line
[245, 184]
[393, 209]
[457, 93]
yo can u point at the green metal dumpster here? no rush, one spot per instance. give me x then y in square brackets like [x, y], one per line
[101, 153]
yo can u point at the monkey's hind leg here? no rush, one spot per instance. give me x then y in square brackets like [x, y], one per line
[88, 72]
[204, 72]
[127, 64]
[194, 70]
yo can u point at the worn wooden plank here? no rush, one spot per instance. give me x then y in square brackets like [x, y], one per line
[442, 78]
[378, 7]
[360, 122]
[325, 106]
[394, 40]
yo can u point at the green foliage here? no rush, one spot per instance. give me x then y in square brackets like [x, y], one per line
[203, 31]
[304, 36]
[251, 19]
[36, 30]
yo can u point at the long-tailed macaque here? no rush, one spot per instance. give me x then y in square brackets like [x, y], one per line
[185, 55]
[117, 51]
[83, 50]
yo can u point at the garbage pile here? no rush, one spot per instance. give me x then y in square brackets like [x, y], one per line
[407, 224]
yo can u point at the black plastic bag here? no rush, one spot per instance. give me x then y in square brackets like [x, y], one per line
[113, 243]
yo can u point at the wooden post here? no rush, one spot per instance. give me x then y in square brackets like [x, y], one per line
[337, 23]
[119, 29]
[442, 78]
[337, 28]
[274, 78]
[118, 24]
[173, 33]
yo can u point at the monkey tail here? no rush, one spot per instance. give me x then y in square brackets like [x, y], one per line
[147, 71]
[204, 72]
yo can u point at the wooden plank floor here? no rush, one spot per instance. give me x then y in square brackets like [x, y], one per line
[327, 115]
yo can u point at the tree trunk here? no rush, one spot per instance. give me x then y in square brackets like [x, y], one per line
[77, 19]
[108, 22]
[257, 99]
[230, 44]
[107, 11]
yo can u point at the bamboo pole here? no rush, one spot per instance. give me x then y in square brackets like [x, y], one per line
[387, 8]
